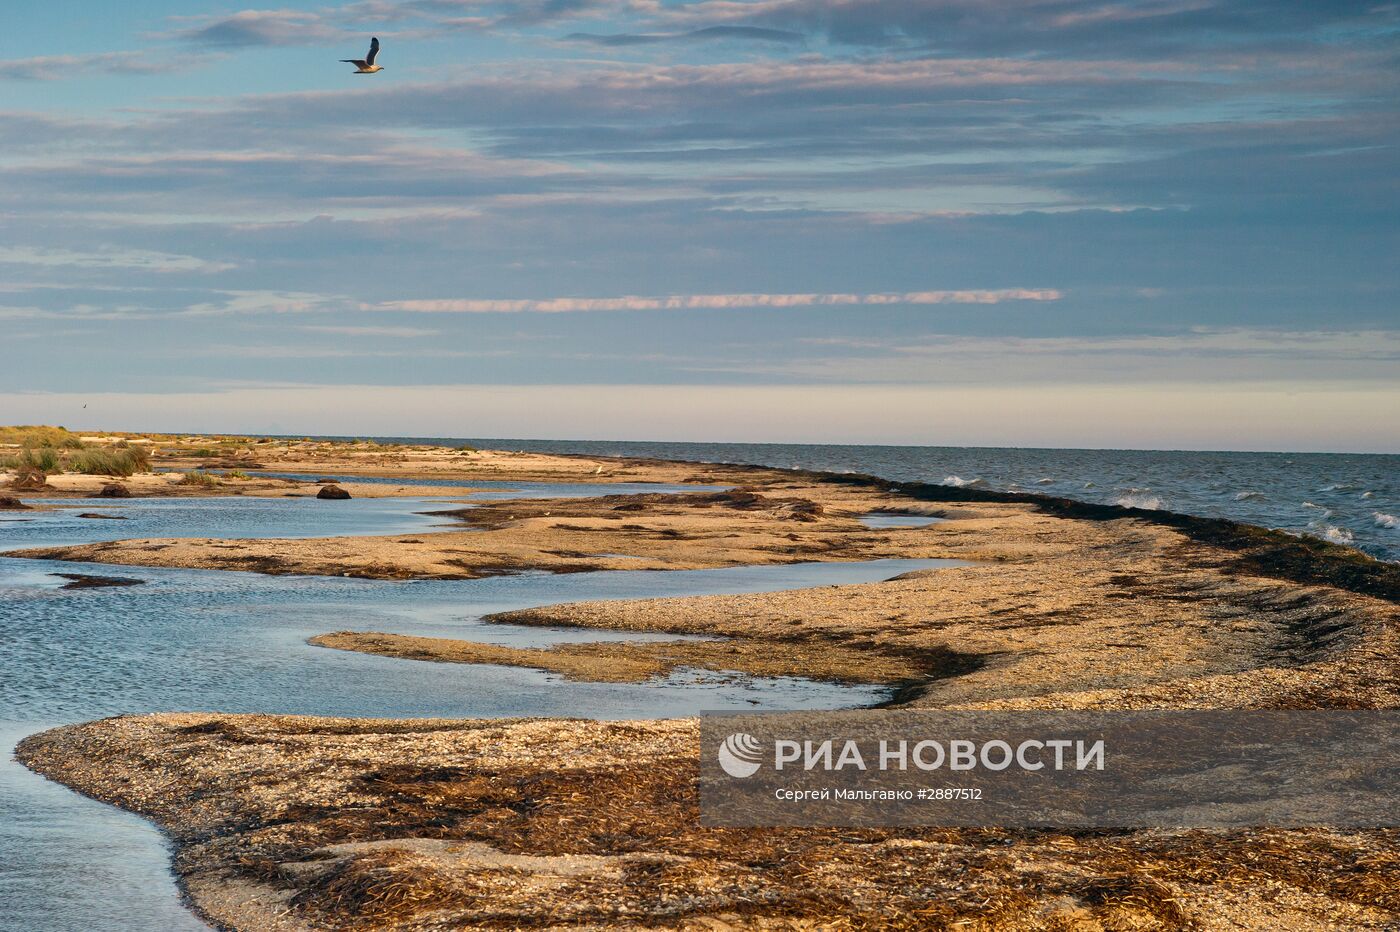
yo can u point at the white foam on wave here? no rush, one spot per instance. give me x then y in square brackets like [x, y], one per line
[960, 482]
[1386, 521]
[1337, 535]
[1248, 495]
[1368, 494]
[1337, 487]
[1140, 500]
[1046, 481]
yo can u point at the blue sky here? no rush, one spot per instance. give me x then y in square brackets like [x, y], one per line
[1168, 223]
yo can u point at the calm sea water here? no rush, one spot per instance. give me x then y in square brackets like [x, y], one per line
[1347, 498]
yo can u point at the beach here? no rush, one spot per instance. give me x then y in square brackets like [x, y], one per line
[1028, 602]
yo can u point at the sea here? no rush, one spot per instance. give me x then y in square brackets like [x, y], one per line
[1346, 498]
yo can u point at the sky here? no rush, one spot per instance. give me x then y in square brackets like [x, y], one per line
[1153, 224]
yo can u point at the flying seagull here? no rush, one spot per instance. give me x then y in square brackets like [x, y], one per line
[366, 65]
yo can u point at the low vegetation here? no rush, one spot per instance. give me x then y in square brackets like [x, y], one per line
[90, 461]
[115, 462]
[43, 460]
[31, 436]
[48, 450]
[200, 478]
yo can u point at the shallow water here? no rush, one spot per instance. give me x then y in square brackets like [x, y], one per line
[880, 519]
[232, 641]
[237, 517]
[193, 640]
[69, 863]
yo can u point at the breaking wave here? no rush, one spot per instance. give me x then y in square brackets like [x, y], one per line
[1386, 521]
[960, 482]
[1337, 535]
[1248, 496]
[1141, 500]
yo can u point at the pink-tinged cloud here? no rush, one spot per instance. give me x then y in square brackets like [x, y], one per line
[710, 301]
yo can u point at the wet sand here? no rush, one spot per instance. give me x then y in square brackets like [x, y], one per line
[285, 822]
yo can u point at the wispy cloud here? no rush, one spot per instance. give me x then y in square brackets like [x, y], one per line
[708, 34]
[351, 331]
[1140, 28]
[1197, 341]
[113, 258]
[265, 351]
[411, 19]
[56, 67]
[1201, 354]
[260, 27]
[217, 304]
[711, 301]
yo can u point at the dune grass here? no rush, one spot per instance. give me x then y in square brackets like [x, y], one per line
[86, 460]
[44, 460]
[32, 436]
[115, 462]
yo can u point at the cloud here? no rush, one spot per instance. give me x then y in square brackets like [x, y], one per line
[1339, 345]
[713, 301]
[709, 33]
[1197, 355]
[216, 304]
[351, 331]
[411, 19]
[1085, 28]
[276, 351]
[211, 179]
[262, 27]
[56, 67]
[110, 258]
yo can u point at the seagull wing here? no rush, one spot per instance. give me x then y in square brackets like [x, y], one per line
[356, 62]
[373, 50]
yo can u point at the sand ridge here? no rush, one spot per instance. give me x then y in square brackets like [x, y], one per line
[770, 520]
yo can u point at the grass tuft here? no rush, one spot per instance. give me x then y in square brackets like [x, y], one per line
[200, 478]
[116, 462]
